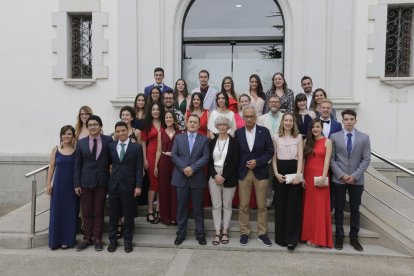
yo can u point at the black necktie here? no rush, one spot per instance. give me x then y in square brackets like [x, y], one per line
[325, 122]
[94, 147]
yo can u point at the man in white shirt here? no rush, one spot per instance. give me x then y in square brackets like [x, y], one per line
[209, 93]
[271, 121]
[307, 85]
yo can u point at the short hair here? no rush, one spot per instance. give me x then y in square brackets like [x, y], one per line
[226, 98]
[195, 116]
[249, 106]
[305, 78]
[245, 95]
[168, 91]
[64, 129]
[348, 112]
[204, 71]
[128, 108]
[120, 124]
[274, 96]
[221, 120]
[326, 101]
[159, 69]
[95, 118]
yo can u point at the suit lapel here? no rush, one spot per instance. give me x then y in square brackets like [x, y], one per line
[256, 136]
[244, 139]
[356, 141]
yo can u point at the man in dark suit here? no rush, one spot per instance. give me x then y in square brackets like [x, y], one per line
[91, 175]
[255, 150]
[124, 184]
[351, 156]
[159, 78]
[190, 153]
[330, 125]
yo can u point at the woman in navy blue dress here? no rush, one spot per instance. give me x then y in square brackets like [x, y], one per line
[303, 116]
[63, 202]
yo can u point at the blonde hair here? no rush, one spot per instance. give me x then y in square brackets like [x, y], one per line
[79, 123]
[295, 130]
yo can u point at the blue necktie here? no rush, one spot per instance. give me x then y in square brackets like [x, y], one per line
[191, 142]
[349, 144]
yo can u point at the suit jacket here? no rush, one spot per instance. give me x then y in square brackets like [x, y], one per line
[209, 101]
[359, 161]
[181, 157]
[90, 172]
[126, 175]
[335, 127]
[147, 89]
[264, 120]
[262, 152]
[230, 163]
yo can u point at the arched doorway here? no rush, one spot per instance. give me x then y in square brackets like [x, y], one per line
[232, 38]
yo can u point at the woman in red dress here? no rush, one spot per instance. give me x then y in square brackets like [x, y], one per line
[167, 194]
[316, 225]
[152, 126]
[196, 107]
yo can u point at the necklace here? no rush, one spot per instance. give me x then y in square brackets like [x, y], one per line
[221, 149]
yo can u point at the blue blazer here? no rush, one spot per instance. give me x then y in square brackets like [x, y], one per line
[147, 90]
[335, 127]
[90, 172]
[126, 175]
[262, 152]
[197, 160]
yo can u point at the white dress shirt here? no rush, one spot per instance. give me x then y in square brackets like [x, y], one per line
[250, 136]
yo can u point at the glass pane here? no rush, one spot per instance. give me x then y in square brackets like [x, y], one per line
[261, 59]
[214, 58]
[224, 19]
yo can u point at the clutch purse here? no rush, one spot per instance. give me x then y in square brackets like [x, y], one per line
[318, 178]
[290, 177]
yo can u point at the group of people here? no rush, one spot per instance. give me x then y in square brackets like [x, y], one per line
[289, 148]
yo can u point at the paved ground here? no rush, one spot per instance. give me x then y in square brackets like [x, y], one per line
[175, 262]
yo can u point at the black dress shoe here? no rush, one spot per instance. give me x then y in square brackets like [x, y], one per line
[98, 245]
[291, 247]
[356, 245]
[339, 244]
[112, 247]
[128, 248]
[179, 240]
[201, 240]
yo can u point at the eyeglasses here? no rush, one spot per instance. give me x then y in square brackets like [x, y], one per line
[93, 125]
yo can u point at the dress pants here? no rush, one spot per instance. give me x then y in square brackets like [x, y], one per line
[245, 187]
[355, 193]
[221, 198]
[197, 199]
[288, 207]
[121, 204]
[93, 204]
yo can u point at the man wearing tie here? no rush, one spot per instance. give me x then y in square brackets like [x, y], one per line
[330, 125]
[255, 150]
[124, 184]
[351, 156]
[190, 153]
[158, 77]
[91, 175]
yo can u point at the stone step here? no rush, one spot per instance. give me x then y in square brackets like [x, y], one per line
[167, 241]
[143, 227]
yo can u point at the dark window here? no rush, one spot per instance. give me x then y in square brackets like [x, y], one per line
[398, 44]
[81, 46]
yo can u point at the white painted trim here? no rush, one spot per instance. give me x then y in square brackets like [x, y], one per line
[122, 101]
[79, 5]
[397, 82]
[79, 83]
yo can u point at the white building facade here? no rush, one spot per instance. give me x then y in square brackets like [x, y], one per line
[340, 44]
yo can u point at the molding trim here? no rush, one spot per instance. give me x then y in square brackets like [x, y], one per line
[345, 103]
[79, 83]
[399, 82]
[122, 101]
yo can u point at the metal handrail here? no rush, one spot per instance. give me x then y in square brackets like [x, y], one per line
[392, 187]
[410, 172]
[34, 197]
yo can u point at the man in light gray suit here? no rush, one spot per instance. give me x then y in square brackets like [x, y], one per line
[351, 157]
[190, 153]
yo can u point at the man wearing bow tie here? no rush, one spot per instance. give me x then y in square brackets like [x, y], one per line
[158, 77]
[330, 126]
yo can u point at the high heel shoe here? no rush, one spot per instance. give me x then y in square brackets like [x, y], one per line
[157, 216]
[151, 218]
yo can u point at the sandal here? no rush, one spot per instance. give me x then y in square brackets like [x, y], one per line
[216, 240]
[224, 238]
[157, 216]
[151, 218]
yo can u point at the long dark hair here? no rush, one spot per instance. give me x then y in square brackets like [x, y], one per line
[260, 92]
[63, 131]
[135, 102]
[232, 92]
[200, 96]
[148, 115]
[273, 89]
[299, 97]
[310, 138]
[185, 92]
[149, 100]
[164, 125]
[313, 102]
